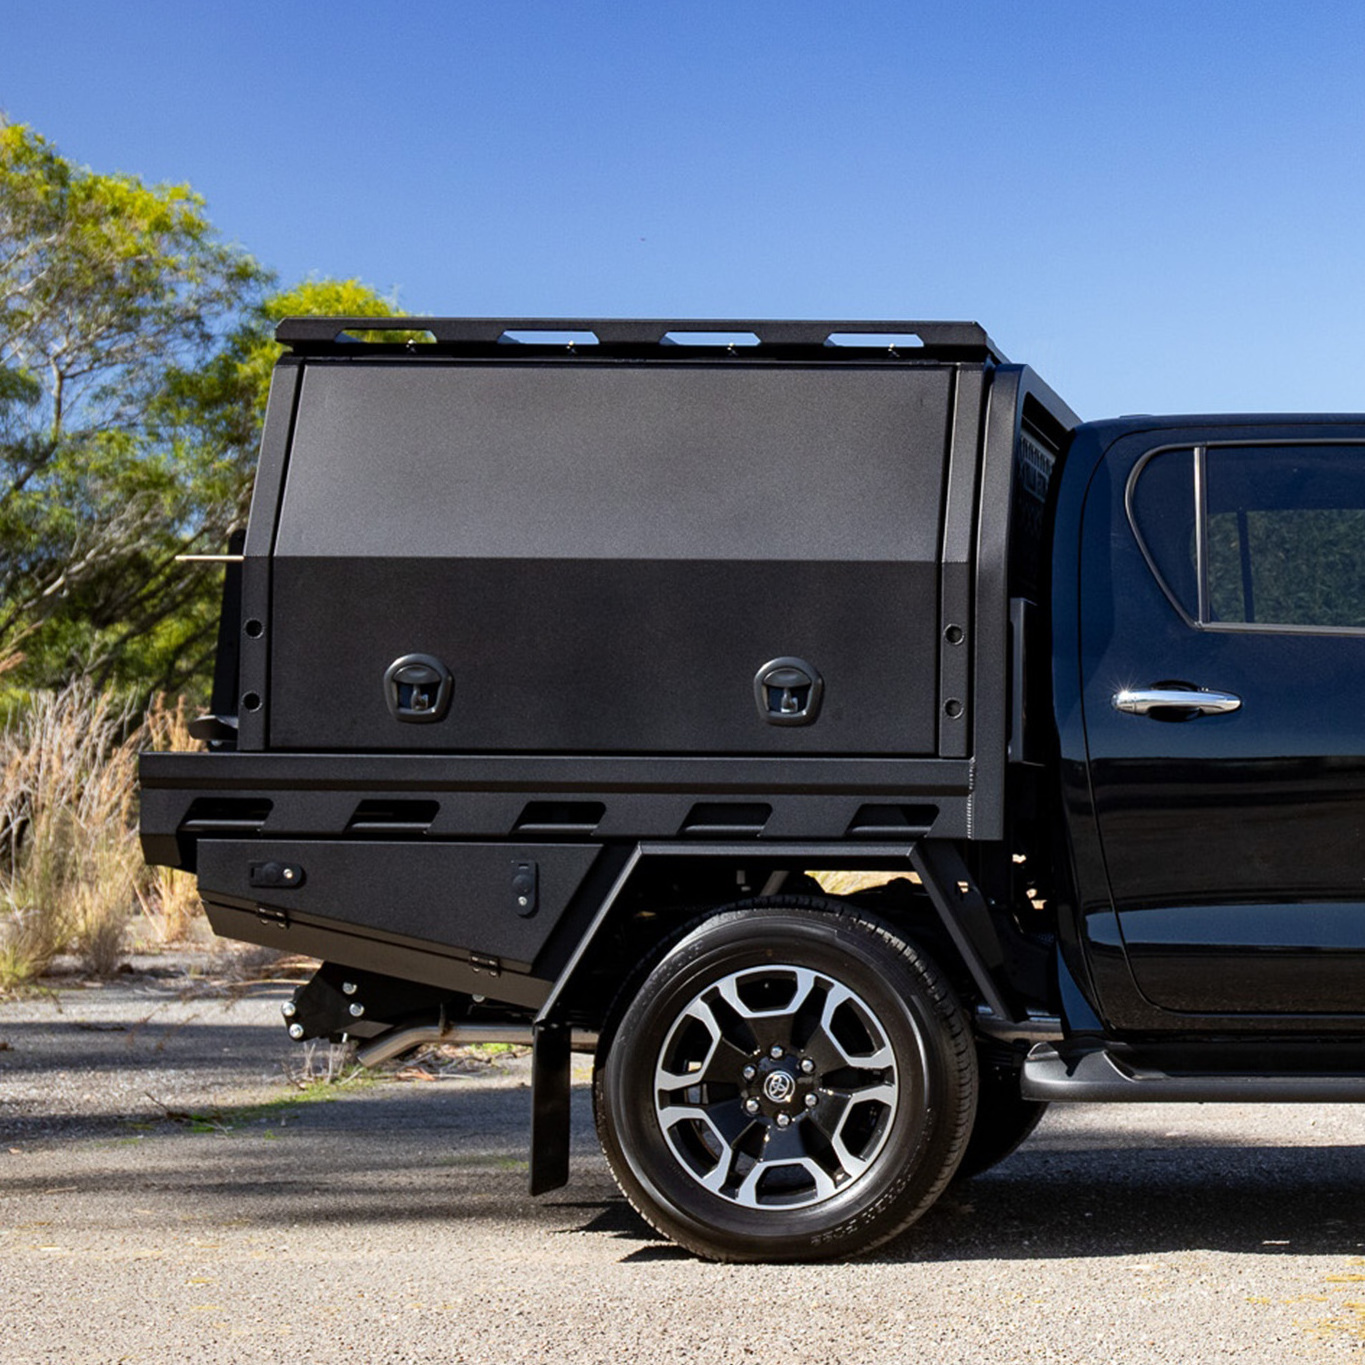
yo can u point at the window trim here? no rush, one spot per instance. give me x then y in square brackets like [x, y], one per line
[1199, 452]
[1201, 532]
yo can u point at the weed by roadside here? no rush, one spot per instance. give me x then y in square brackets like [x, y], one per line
[326, 1071]
[168, 897]
[323, 1064]
[225, 1119]
[70, 854]
[71, 872]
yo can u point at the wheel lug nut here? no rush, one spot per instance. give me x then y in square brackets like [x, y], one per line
[807, 1065]
[775, 1051]
[783, 1120]
[751, 1106]
[296, 1031]
[812, 1099]
[750, 1072]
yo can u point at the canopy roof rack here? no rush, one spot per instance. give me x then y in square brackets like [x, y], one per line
[635, 336]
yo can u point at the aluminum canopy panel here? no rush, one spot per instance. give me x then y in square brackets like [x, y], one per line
[605, 554]
[617, 461]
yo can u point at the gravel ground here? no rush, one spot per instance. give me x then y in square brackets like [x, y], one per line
[168, 1194]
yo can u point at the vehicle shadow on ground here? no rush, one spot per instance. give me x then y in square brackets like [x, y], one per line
[1149, 1200]
[1262, 1201]
[319, 1167]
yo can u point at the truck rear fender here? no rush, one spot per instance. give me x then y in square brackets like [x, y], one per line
[964, 923]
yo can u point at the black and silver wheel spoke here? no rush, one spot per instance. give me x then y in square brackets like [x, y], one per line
[698, 1053]
[776, 1087]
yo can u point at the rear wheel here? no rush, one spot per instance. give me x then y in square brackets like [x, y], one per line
[791, 1082]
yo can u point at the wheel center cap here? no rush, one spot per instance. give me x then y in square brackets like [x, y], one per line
[779, 1086]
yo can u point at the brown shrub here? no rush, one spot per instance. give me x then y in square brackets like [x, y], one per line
[169, 898]
[71, 859]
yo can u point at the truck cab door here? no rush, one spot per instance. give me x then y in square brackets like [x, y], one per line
[1222, 656]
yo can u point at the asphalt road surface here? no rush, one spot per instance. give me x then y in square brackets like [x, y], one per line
[168, 1194]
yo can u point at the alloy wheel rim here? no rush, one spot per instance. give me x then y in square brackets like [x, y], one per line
[777, 1087]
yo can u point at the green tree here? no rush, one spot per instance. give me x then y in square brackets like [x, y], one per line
[135, 356]
[105, 285]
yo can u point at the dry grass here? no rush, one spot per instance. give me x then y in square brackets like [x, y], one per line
[168, 898]
[71, 872]
[846, 883]
[323, 1064]
[70, 853]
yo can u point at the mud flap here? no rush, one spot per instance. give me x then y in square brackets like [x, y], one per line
[550, 1108]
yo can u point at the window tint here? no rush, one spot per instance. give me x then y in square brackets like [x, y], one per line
[1286, 535]
[1162, 509]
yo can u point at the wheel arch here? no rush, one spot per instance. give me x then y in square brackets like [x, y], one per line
[666, 888]
[608, 963]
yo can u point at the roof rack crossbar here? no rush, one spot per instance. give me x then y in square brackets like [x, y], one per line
[323, 334]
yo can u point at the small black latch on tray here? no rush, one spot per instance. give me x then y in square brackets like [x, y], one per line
[278, 876]
[525, 888]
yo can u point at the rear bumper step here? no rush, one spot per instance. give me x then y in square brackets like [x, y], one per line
[1098, 1076]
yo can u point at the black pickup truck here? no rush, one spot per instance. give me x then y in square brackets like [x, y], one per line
[814, 719]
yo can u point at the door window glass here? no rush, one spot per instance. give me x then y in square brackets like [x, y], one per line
[1286, 535]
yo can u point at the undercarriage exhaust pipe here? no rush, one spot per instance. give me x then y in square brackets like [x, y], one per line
[400, 1040]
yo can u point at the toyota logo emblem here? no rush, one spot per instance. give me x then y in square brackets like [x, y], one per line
[779, 1087]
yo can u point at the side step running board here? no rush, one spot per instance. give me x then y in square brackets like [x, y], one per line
[1099, 1076]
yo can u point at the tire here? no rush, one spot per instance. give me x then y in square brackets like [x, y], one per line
[1003, 1121]
[791, 1082]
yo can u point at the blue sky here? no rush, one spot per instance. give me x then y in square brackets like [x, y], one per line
[1159, 206]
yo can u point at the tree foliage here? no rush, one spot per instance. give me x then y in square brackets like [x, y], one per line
[135, 356]
[105, 283]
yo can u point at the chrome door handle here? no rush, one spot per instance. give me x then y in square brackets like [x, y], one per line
[1143, 701]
